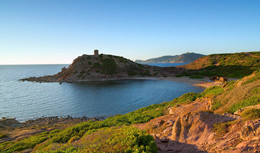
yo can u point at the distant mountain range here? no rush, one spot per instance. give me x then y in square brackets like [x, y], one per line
[184, 58]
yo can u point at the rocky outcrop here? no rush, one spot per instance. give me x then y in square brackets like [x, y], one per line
[9, 122]
[218, 79]
[103, 67]
[195, 132]
[192, 127]
[196, 128]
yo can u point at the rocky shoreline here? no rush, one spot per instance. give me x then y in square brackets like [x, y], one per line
[45, 121]
[204, 82]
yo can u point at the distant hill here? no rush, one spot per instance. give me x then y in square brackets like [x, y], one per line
[184, 58]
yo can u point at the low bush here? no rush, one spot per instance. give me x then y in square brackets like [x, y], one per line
[114, 139]
[96, 65]
[5, 145]
[212, 91]
[253, 100]
[109, 66]
[221, 128]
[2, 135]
[216, 104]
[26, 143]
[251, 113]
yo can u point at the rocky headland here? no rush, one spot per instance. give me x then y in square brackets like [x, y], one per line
[104, 67]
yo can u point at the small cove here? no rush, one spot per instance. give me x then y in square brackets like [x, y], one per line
[30, 100]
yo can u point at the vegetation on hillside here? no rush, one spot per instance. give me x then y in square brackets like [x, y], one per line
[234, 65]
[114, 134]
[114, 139]
[63, 137]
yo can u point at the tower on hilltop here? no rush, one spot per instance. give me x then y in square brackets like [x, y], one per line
[96, 52]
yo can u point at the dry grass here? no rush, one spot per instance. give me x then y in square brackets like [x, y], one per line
[236, 95]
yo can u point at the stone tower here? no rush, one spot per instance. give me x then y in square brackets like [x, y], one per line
[96, 52]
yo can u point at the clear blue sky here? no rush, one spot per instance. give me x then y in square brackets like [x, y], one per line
[57, 31]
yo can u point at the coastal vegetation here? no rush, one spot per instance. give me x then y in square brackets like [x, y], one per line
[114, 139]
[251, 113]
[120, 133]
[235, 65]
[63, 140]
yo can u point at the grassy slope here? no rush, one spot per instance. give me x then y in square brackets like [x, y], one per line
[116, 132]
[235, 65]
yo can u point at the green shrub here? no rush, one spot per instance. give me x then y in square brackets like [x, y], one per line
[212, 91]
[255, 91]
[96, 65]
[217, 104]
[5, 145]
[132, 72]
[109, 66]
[114, 139]
[26, 143]
[2, 135]
[188, 97]
[229, 85]
[251, 113]
[146, 73]
[221, 128]
[253, 100]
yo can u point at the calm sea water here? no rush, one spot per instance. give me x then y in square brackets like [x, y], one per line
[29, 100]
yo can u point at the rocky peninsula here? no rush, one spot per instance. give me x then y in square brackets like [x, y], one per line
[104, 67]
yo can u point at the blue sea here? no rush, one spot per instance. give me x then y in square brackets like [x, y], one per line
[30, 100]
